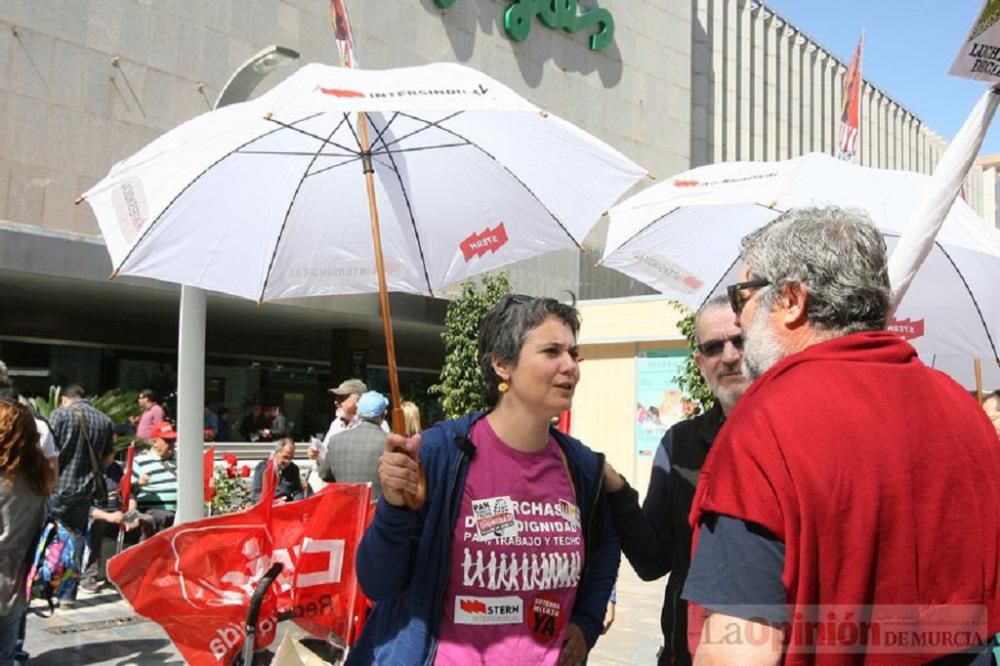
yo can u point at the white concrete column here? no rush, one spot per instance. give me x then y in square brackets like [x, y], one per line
[772, 35]
[731, 120]
[795, 74]
[744, 82]
[758, 92]
[190, 404]
[718, 40]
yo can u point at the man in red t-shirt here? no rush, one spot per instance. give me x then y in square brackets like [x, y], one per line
[849, 510]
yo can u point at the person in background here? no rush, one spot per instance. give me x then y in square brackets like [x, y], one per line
[656, 538]
[252, 424]
[411, 418]
[279, 424]
[84, 436]
[289, 480]
[105, 522]
[211, 425]
[991, 405]
[225, 430]
[27, 480]
[152, 413]
[46, 442]
[468, 570]
[353, 454]
[154, 482]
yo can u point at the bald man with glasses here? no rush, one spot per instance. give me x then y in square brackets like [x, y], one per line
[656, 537]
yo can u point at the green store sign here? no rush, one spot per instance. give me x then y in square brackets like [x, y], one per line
[554, 14]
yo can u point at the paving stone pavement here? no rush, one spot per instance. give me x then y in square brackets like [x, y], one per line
[102, 629]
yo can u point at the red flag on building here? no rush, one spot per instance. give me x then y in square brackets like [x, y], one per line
[850, 115]
[342, 30]
[195, 580]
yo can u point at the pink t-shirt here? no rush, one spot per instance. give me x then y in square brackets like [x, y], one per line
[149, 418]
[516, 557]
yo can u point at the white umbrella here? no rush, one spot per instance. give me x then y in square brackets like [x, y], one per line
[440, 170]
[682, 238]
[266, 199]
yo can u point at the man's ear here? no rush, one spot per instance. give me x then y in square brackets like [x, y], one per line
[794, 300]
[699, 360]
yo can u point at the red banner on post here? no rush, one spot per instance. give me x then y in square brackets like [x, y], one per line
[850, 116]
[195, 580]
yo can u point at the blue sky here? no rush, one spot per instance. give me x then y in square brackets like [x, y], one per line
[909, 46]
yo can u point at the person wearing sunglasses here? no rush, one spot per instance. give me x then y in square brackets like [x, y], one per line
[656, 537]
[852, 485]
[509, 557]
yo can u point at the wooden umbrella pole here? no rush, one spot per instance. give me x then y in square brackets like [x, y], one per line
[398, 422]
[398, 425]
[978, 367]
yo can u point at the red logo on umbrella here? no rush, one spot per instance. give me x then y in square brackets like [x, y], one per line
[340, 92]
[685, 183]
[479, 244]
[472, 606]
[908, 329]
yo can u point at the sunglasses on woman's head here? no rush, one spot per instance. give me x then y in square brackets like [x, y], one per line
[712, 348]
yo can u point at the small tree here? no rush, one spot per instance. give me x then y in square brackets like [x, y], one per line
[693, 386]
[461, 385]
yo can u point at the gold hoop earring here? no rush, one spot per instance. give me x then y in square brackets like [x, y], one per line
[503, 387]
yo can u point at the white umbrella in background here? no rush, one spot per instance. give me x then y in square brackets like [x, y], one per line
[439, 170]
[682, 237]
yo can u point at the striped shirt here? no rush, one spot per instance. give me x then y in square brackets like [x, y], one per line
[161, 491]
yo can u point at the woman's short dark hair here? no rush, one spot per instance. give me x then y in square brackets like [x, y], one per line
[150, 395]
[503, 329]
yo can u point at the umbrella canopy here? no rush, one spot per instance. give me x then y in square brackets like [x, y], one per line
[682, 238]
[267, 200]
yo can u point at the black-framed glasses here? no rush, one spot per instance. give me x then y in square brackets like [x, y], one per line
[737, 292]
[712, 348]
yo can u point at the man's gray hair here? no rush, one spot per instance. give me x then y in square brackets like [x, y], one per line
[714, 303]
[837, 254]
[282, 443]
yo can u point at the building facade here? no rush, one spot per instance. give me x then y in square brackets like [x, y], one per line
[85, 84]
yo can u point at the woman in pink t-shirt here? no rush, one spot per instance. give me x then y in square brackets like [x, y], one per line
[507, 554]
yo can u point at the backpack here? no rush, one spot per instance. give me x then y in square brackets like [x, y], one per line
[54, 571]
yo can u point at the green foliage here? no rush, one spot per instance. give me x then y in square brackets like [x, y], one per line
[46, 406]
[461, 385]
[692, 384]
[118, 404]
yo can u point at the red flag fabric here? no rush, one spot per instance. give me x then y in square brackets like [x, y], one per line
[342, 32]
[850, 117]
[565, 419]
[125, 489]
[208, 462]
[195, 580]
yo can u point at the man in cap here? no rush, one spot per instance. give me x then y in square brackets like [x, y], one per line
[833, 496]
[154, 478]
[656, 538]
[353, 454]
[345, 399]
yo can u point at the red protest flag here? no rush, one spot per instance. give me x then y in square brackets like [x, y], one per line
[850, 116]
[208, 471]
[125, 489]
[195, 580]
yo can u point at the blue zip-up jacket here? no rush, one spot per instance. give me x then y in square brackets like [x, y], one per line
[403, 561]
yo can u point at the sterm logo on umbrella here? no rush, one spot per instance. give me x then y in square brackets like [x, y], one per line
[908, 329]
[478, 244]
